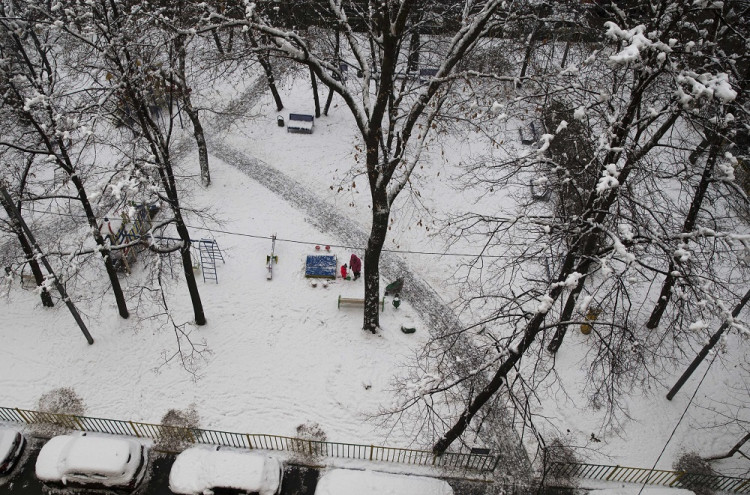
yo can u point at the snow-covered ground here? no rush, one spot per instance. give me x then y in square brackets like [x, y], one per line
[281, 353]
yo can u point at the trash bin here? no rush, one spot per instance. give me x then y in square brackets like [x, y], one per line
[280, 121]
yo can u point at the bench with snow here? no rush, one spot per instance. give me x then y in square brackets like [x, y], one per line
[300, 122]
[357, 302]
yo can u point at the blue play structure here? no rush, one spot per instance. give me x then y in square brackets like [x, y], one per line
[320, 266]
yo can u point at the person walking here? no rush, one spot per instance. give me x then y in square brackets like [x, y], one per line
[356, 265]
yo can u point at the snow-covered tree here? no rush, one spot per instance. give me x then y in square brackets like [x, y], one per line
[617, 126]
[47, 114]
[394, 109]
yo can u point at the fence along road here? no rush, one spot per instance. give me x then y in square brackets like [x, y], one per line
[454, 460]
[178, 434]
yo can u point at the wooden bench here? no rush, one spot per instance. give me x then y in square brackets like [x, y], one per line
[301, 123]
[358, 302]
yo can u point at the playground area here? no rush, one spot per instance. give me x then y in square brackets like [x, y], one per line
[285, 352]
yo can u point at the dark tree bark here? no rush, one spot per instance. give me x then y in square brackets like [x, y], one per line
[700, 192]
[102, 245]
[381, 210]
[529, 50]
[315, 93]
[707, 348]
[28, 252]
[217, 41]
[414, 44]
[268, 69]
[596, 211]
[19, 224]
[158, 143]
[187, 104]
[56, 146]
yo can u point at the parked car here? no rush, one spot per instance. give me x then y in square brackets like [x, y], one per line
[366, 482]
[206, 470]
[92, 461]
[12, 443]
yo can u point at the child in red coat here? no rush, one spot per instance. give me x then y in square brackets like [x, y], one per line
[343, 270]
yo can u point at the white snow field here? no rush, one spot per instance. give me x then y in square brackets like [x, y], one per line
[281, 353]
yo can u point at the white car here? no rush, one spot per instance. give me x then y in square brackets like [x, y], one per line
[218, 470]
[92, 460]
[350, 481]
[11, 448]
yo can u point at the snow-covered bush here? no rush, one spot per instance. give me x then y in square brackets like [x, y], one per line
[692, 463]
[307, 444]
[558, 452]
[62, 401]
[177, 438]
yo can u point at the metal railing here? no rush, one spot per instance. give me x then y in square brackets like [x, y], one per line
[319, 448]
[307, 447]
[675, 479]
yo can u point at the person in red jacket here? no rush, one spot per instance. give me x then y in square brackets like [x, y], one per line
[356, 265]
[343, 270]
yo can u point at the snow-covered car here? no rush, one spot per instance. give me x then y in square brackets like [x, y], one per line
[92, 461]
[206, 470]
[349, 481]
[11, 448]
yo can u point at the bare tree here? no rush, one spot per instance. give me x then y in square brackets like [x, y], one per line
[395, 121]
[143, 97]
[587, 252]
[49, 115]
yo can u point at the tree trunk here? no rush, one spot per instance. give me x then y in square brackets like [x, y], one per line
[28, 251]
[170, 187]
[562, 327]
[328, 102]
[380, 215]
[315, 93]
[102, 245]
[414, 44]
[700, 192]
[707, 348]
[565, 55]
[19, 224]
[217, 41]
[268, 69]
[529, 50]
[187, 266]
[570, 304]
[200, 138]
[381, 211]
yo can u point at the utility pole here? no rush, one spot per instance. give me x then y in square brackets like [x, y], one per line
[16, 218]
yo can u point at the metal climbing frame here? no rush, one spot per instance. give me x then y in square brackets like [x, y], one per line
[209, 253]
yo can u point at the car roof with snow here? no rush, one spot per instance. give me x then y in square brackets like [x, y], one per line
[7, 436]
[366, 482]
[202, 468]
[66, 454]
[107, 456]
